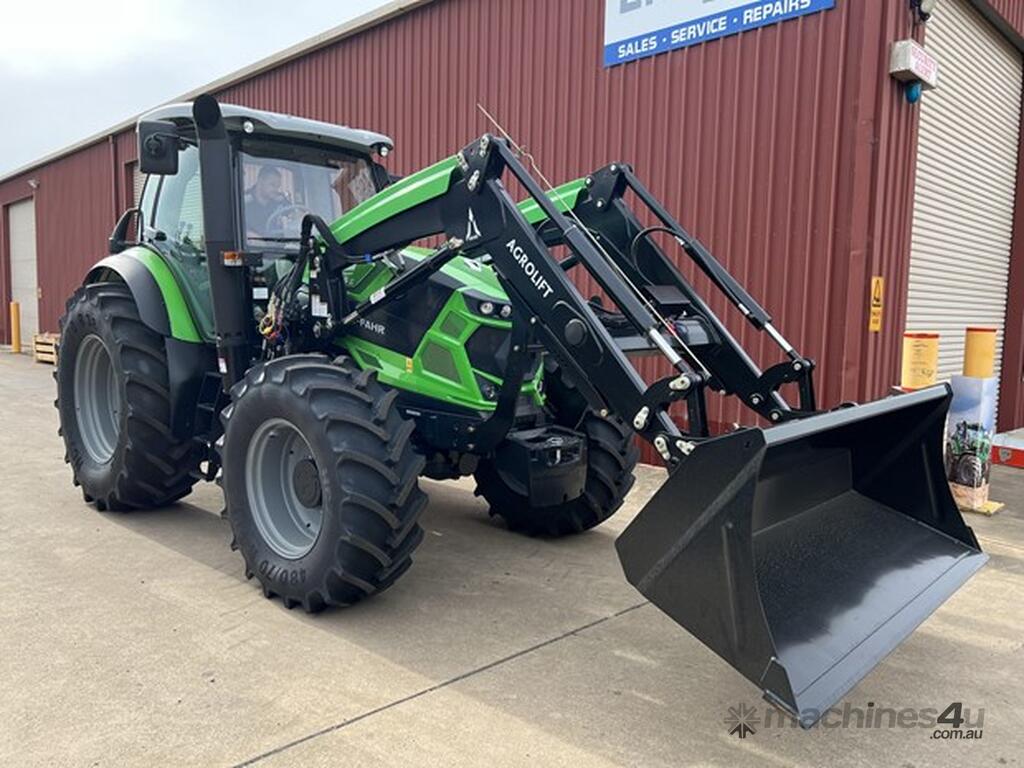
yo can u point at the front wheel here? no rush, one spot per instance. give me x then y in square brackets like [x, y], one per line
[320, 481]
[611, 458]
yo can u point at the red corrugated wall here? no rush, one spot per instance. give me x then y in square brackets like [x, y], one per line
[1011, 11]
[1011, 387]
[788, 149]
[75, 210]
[1011, 393]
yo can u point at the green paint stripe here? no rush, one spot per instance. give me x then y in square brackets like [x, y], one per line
[182, 325]
[564, 197]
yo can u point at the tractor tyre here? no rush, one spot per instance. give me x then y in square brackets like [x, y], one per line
[970, 471]
[565, 402]
[320, 481]
[114, 403]
[611, 458]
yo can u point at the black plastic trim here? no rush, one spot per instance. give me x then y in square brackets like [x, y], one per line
[142, 284]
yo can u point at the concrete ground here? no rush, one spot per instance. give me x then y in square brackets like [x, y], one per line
[134, 639]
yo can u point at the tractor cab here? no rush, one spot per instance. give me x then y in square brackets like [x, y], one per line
[282, 168]
[445, 348]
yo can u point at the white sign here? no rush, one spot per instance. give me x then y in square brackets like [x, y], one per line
[912, 63]
[634, 29]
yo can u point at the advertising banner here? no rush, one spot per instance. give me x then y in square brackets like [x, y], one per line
[634, 29]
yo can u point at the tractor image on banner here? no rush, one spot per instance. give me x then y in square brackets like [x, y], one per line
[285, 317]
[969, 435]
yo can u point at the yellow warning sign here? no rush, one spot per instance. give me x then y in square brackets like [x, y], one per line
[877, 295]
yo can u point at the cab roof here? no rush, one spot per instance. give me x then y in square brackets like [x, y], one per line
[276, 124]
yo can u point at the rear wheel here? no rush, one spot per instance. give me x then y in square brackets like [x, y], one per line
[320, 480]
[114, 403]
[611, 458]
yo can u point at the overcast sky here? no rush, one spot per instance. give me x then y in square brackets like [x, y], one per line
[69, 69]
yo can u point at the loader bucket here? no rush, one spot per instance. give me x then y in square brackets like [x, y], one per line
[803, 554]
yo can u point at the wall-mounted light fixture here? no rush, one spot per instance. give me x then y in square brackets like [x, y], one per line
[915, 67]
[34, 183]
[923, 8]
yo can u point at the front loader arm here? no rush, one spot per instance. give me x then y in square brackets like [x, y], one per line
[597, 203]
[464, 199]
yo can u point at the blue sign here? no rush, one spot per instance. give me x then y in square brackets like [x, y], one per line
[634, 29]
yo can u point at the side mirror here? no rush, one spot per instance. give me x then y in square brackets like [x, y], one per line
[119, 240]
[158, 147]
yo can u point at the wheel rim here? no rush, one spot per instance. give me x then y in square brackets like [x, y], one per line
[97, 399]
[276, 458]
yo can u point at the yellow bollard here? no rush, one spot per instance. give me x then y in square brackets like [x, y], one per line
[980, 353]
[15, 327]
[920, 360]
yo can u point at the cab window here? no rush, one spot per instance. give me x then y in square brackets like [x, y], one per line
[281, 183]
[177, 232]
[179, 211]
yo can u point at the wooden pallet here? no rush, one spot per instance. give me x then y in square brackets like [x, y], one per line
[44, 347]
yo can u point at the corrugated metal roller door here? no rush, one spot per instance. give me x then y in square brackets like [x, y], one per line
[21, 219]
[137, 181]
[966, 179]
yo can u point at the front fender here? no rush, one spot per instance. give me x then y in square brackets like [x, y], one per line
[157, 294]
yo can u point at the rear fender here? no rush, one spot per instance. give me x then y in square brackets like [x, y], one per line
[158, 296]
[163, 310]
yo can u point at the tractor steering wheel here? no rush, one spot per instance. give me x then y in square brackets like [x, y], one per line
[280, 214]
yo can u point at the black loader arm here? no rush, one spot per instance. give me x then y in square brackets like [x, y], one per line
[599, 204]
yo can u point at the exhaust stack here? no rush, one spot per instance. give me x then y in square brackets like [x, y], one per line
[232, 313]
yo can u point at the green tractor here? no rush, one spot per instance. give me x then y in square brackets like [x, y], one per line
[284, 316]
[969, 454]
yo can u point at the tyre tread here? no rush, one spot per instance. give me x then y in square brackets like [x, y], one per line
[379, 530]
